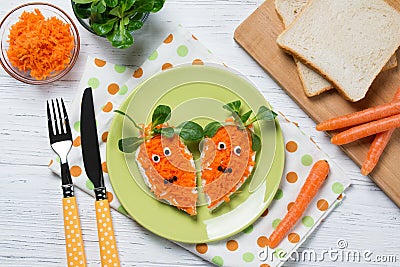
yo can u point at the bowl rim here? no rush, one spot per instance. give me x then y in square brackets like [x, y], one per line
[74, 57]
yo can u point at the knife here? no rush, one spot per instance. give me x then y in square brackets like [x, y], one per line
[92, 163]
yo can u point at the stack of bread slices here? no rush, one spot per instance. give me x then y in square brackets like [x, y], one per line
[339, 44]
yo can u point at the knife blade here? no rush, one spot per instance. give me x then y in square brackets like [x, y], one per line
[90, 145]
[92, 163]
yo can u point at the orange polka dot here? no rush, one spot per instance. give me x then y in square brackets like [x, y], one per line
[108, 107]
[262, 241]
[75, 171]
[322, 205]
[169, 39]
[50, 163]
[77, 141]
[232, 245]
[104, 167]
[194, 37]
[291, 146]
[201, 248]
[99, 63]
[265, 265]
[197, 61]
[166, 66]
[113, 88]
[265, 213]
[138, 73]
[104, 137]
[290, 205]
[293, 238]
[110, 196]
[291, 177]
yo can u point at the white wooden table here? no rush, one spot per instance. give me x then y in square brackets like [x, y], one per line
[31, 228]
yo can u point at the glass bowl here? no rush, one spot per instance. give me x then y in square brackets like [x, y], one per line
[85, 22]
[48, 10]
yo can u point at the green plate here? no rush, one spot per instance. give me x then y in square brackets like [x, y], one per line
[195, 93]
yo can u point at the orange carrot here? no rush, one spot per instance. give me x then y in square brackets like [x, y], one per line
[366, 129]
[38, 45]
[315, 179]
[378, 145]
[366, 115]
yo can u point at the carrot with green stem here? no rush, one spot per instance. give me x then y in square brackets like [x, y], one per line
[315, 179]
[378, 145]
[360, 117]
[366, 129]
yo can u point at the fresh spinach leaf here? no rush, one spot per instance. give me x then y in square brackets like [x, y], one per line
[83, 11]
[130, 144]
[111, 3]
[116, 11]
[83, 1]
[161, 114]
[233, 107]
[99, 6]
[167, 131]
[126, 4]
[134, 25]
[245, 116]
[265, 114]
[158, 5]
[255, 142]
[211, 129]
[190, 131]
[103, 29]
[119, 36]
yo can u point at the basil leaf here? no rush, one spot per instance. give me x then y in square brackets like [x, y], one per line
[190, 131]
[116, 11]
[245, 116]
[167, 131]
[134, 25]
[83, 11]
[161, 114]
[103, 29]
[83, 1]
[111, 3]
[211, 129]
[130, 144]
[120, 37]
[233, 107]
[255, 142]
[266, 114]
[158, 5]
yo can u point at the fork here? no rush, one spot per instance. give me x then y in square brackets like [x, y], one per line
[61, 143]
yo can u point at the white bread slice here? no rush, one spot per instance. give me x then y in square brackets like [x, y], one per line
[313, 83]
[349, 45]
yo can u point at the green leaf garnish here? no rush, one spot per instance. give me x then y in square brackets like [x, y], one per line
[255, 142]
[167, 131]
[190, 131]
[245, 116]
[130, 144]
[82, 10]
[161, 114]
[111, 3]
[233, 107]
[211, 129]
[129, 118]
[103, 29]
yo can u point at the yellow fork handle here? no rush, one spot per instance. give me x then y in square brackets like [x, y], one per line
[108, 246]
[73, 234]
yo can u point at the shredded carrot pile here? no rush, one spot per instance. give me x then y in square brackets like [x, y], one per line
[220, 185]
[181, 191]
[40, 46]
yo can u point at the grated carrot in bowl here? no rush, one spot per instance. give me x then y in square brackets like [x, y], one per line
[40, 46]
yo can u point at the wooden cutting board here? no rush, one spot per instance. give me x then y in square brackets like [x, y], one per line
[257, 35]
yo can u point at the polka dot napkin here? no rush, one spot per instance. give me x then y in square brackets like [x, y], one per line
[111, 84]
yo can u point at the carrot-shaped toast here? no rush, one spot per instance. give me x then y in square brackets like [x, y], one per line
[366, 129]
[378, 145]
[315, 179]
[367, 115]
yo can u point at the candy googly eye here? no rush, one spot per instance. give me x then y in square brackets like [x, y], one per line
[155, 158]
[167, 151]
[237, 150]
[221, 146]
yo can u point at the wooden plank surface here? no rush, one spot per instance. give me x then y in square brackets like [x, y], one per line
[257, 35]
